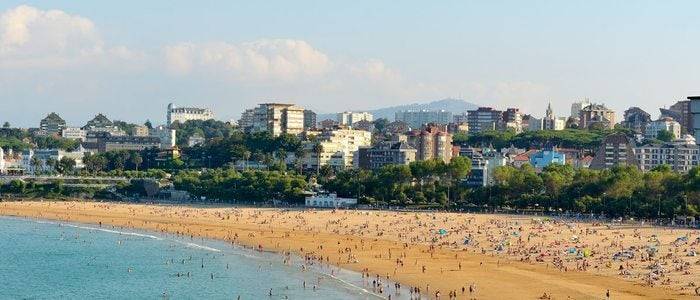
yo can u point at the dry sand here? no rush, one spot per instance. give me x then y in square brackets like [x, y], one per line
[507, 257]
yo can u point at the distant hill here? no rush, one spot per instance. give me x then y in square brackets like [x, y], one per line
[456, 106]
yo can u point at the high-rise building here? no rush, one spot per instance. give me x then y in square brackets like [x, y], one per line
[275, 118]
[636, 119]
[695, 117]
[184, 114]
[348, 118]
[309, 119]
[616, 149]
[596, 114]
[417, 118]
[431, 143]
[484, 118]
[652, 129]
[52, 124]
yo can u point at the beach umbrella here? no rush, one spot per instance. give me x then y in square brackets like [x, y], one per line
[442, 231]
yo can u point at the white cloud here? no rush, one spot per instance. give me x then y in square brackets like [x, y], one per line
[278, 59]
[34, 38]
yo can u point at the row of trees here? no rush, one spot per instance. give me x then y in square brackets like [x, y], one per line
[569, 138]
[617, 191]
[261, 147]
[228, 185]
[429, 182]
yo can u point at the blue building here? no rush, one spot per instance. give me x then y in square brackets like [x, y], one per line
[546, 157]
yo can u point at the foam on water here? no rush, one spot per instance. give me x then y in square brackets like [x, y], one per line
[91, 266]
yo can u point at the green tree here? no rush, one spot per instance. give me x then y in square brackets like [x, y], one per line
[66, 165]
[665, 136]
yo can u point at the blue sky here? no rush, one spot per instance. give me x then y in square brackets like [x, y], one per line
[128, 59]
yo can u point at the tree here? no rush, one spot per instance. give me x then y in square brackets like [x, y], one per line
[318, 149]
[94, 163]
[66, 165]
[148, 124]
[36, 164]
[135, 159]
[6, 125]
[665, 136]
[51, 163]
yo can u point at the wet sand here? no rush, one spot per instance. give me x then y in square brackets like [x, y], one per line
[506, 257]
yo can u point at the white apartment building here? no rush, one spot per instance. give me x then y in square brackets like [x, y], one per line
[348, 117]
[44, 155]
[652, 129]
[681, 155]
[184, 114]
[338, 148]
[74, 133]
[275, 118]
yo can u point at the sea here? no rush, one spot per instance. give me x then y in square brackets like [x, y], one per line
[57, 260]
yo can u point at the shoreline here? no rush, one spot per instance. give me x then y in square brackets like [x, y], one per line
[492, 276]
[346, 278]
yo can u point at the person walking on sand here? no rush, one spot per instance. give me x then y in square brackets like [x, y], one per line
[607, 294]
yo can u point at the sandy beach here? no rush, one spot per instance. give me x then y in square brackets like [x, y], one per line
[495, 256]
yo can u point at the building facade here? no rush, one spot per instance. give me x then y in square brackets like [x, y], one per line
[652, 129]
[576, 108]
[73, 133]
[513, 119]
[597, 114]
[39, 160]
[386, 153]
[52, 124]
[616, 149]
[551, 122]
[546, 157]
[100, 123]
[309, 119]
[680, 111]
[348, 118]
[484, 118]
[694, 129]
[417, 118]
[431, 143]
[337, 148]
[681, 155]
[277, 118]
[184, 114]
[636, 119]
[166, 136]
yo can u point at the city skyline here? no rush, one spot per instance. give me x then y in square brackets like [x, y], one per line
[80, 58]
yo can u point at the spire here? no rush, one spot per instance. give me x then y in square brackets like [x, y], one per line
[550, 113]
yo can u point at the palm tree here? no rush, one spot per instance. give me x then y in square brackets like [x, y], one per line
[299, 154]
[246, 157]
[318, 149]
[35, 163]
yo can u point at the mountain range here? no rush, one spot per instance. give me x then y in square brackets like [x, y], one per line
[456, 106]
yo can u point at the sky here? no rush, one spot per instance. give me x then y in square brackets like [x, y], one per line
[129, 59]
